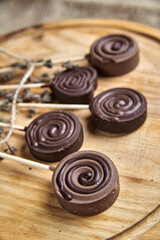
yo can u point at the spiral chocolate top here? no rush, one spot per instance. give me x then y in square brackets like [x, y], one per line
[53, 135]
[114, 47]
[117, 107]
[75, 85]
[114, 54]
[84, 181]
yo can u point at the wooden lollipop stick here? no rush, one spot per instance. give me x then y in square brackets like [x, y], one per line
[14, 86]
[53, 105]
[6, 69]
[8, 126]
[70, 59]
[26, 161]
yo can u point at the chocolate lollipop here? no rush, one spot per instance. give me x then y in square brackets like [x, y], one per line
[75, 85]
[54, 135]
[86, 183]
[114, 54]
[119, 110]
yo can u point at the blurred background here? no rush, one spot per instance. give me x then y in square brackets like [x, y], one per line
[17, 14]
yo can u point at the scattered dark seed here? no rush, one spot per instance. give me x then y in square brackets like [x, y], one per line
[5, 105]
[36, 98]
[48, 64]
[29, 80]
[37, 80]
[68, 65]
[46, 78]
[11, 148]
[28, 97]
[25, 90]
[10, 96]
[16, 64]
[30, 168]
[1, 131]
[46, 97]
[5, 102]
[23, 66]
[31, 112]
[6, 76]
[45, 75]
[2, 93]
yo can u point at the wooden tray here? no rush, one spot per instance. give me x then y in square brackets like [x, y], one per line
[28, 207]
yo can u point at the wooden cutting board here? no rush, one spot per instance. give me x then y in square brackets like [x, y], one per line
[28, 207]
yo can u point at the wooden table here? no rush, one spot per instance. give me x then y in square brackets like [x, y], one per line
[28, 207]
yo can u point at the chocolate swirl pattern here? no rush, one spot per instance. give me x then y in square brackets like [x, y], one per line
[75, 85]
[86, 183]
[114, 54]
[53, 135]
[119, 110]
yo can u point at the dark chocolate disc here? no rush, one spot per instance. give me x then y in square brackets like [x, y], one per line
[86, 183]
[54, 135]
[119, 110]
[114, 54]
[75, 85]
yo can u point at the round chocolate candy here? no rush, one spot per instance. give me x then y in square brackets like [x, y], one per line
[75, 85]
[86, 183]
[54, 135]
[119, 110]
[114, 54]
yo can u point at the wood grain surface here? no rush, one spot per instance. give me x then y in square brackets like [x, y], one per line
[28, 207]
